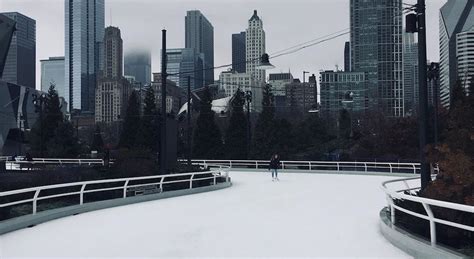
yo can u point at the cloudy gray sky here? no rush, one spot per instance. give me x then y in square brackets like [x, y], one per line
[286, 23]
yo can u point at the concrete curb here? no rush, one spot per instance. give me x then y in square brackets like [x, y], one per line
[414, 245]
[48, 215]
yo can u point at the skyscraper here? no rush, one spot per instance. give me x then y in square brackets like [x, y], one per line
[456, 23]
[138, 65]
[185, 62]
[200, 36]
[410, 73]
[376, 48]
[20, 65]
[255, 48]
[113, 90]
[84, 33]
[238, 52]
[347, 57]
[52, 72]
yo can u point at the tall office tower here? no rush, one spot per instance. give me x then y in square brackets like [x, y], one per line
[336, 85]
[347, 57]
[254, 49]
[138, 65]
[182, 63]
[52, 72]
[113, 90]
[376, 48]
[456, 22]
[200, 36]
[113, 50]
[238, 52]
[410, 73]
[84, 33]
[20, 65]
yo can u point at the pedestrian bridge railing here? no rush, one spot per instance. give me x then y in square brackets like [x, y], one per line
[125, 187]
[38, 162]
[367, 167]
[404, 189]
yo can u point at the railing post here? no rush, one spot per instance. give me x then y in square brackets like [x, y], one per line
[414, 168]
[256, 164]
[191, 181]
[230, 163]
[337, 166]
[125, 189]
[35, 201]
[161, 183]
[215, 182]
[365, 165]
[309, 165]
[81, 195]
[282, 165]
[432, 224]
[390, 165]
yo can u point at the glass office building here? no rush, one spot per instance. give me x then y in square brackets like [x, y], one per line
[84, 33]
[20, 66]
[183, 63]
[376, 49]
[52, 72]
[138, 64]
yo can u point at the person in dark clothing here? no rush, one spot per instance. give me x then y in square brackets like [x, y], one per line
[274, 165]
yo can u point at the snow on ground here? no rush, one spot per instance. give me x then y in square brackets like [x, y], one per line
[312, 215]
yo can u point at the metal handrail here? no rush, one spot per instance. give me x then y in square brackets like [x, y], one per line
[320, 165]
[159, 180]
[404, 193]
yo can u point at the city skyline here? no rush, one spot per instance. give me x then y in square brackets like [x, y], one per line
[281, 33]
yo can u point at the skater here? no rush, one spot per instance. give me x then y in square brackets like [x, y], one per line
[274, 165]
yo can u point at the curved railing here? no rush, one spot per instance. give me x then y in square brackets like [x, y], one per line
[28, 165]
[127, 186]
[366, 167]
[403, 189]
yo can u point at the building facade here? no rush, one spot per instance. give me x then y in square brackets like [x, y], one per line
[138, 65]
[300, 97]
[52, 73]
[376, 49]
[84, 34]
[174, 94]
[20, 65]
[336, 85]
[465, 56]
[238, 52]
[182, 63]
[279, 82]
[230, 81]
[456, 17]
[113, 90]
[199, 35]
[410, 73]
[254, 49]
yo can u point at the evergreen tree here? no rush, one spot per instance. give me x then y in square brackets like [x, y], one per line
[149, 128]
[264, 135]
[207, 136]
[51, 130]
[97, 141]
[63, 144]
[345, 126]
[131, 122]
[236, 134]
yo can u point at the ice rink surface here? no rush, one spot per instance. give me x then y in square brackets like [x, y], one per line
[310, 215]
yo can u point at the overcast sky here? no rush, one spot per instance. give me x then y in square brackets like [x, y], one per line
[286, 23]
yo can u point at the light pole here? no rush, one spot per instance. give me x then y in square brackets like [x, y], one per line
[38, 102]
[304, 91]
[163, 149]
[416, 23]
[248, 99]
[189, 122]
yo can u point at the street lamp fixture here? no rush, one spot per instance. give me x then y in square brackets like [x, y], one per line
[265, 62]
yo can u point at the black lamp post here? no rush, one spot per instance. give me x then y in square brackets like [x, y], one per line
[248, 99]
[38, 102]
[416, 23]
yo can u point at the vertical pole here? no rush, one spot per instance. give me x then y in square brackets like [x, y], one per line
[41, 124]
[163, 166]
[304, 93]
[248, 127]
[189, 122]
[423, 97]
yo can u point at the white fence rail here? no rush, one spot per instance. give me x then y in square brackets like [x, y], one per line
[388, 167]
[126, 185]
[401, 189]
[28, 165]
